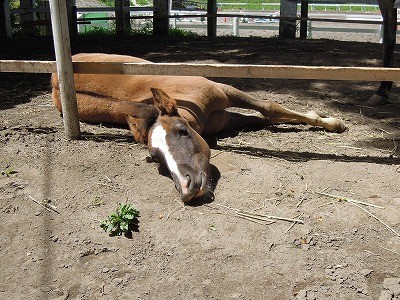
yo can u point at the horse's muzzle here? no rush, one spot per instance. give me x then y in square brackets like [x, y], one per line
[192, 186]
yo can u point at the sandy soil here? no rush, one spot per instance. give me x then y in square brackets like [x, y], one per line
[204, 250]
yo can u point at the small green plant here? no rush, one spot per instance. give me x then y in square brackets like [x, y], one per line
[8, 171]
[123, 221]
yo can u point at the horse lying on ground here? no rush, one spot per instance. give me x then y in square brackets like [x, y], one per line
[170, 113]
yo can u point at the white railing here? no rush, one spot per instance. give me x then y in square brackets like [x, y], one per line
[234, 25]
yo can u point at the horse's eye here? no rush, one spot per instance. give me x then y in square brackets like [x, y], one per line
[183, 131]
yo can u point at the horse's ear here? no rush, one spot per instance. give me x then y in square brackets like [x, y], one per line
[140, 121]
[164, 103]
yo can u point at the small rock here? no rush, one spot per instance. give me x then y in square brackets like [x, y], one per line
[338, 267]
[366, 272]
[360, 290]
[117, 281]
[105, 270]
[301, 295]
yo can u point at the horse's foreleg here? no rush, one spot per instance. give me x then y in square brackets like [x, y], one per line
[389, 15]
[275, 113]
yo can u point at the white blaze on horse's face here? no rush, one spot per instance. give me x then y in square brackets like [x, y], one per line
[173, 142]
[159, 142]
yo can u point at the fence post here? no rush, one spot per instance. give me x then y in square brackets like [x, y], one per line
[72, 19]
[287, 28]
[212, 21]
[235, 23]
[127, 14]
[45, 29]
[122, 16]
[119, 17]
[5, 26]
[59, 21]
[27, 18]
[303, 24]
[161, 20]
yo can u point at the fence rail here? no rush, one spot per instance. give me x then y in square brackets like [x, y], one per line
[212, 70]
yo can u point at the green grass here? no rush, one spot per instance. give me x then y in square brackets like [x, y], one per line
[145, 30]
[108, 2]
[97, 31]
[139, 2]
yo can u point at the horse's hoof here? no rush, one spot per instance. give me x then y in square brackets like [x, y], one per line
[376, 100]
[328, 123]
[334, 125]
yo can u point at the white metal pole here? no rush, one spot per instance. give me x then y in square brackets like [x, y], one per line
[235, 24]
[65, 72]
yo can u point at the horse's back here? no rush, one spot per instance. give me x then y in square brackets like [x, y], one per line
[103, 57]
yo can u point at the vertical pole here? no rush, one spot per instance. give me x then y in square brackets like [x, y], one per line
[161, 20]
[119, 17]
[122, 16]
[212, 9]
[287, 28]
[235, 24]
[127, 14]
[46, 17]
[58, 11]
[72, 19]
[309, 29]
[5, 24]
[303, 23]
[27, 18]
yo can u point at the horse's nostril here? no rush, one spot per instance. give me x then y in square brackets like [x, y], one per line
[203, 180]
[189, 181]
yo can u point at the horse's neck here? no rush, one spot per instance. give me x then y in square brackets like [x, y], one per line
[194, 113]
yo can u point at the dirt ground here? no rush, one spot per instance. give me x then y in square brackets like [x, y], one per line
[204, 250]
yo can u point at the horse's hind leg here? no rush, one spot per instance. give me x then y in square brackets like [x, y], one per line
[276, 113]
[220, 121]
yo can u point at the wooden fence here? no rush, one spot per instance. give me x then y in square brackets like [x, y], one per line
[212, 70]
